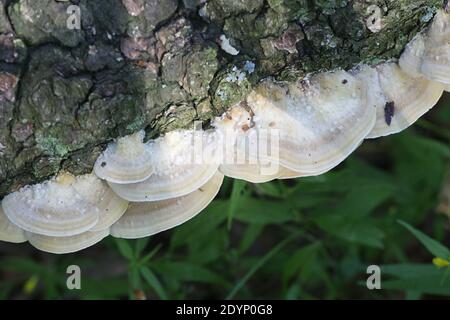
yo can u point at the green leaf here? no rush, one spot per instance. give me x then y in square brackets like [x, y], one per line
[364, 200]
[410, 270]
[199, 228]
[434, 145]
[259, 211]
[125, 249]
[183, 271]
[426, 284]
[153, 282]
[259, 264]
[236, 195]
[434, 247]
[249, 238]
[140, 245]
[301, 260]
[150, 255]
[101, 289]
[135, 281]
[357, 230]
[274, 189]
[205, 252]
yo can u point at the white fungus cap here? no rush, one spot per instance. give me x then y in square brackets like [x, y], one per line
[9, 232]
[412, 57]
[320, 120]
[147, 218]
[127, 160]
[254, 173]
[183, 162]
[53, 208]
[111, 206]
[436, 63]
[237, 160]
[439, 31]
[436, 59]
[285, 174]
[63, 245]
[407, 99]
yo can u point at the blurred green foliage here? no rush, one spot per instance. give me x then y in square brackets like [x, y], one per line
[310, 238]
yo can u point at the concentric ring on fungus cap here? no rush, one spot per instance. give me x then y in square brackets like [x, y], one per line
[147, 218]
[53, 208]
[177, 172]
[436, 58]
[111, 206]
[127, 160]
[320, 120]
[9, 232]
[407, 99]
[63, 245]
[237, 162]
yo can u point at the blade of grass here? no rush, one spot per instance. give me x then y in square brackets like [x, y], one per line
[236, 194]
[140, 245]
[259, 265]
[153, 282]
[442, 132]
[151, 254]
[125, 249]
[432, 245]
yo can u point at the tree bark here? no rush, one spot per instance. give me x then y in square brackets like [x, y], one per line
[159, 65]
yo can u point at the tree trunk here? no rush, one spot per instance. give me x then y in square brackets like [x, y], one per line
[159, 65]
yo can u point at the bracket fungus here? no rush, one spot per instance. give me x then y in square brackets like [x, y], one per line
[111, 207]
[9, 232]
[280, 130]
[65, 206]
[250, 153]
[183, 162]
[238, 158]
[62, 245]
[320, 120]
[436, 56]
[401, 99]
[147, 218]
[415, 85]
[126, 161]
[53, 208]
[254, 173]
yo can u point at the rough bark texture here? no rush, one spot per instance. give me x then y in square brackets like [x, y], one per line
[158, 65]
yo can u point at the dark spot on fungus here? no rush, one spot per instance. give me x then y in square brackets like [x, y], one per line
[345, 81]
[389, 112]
[247, 108]
[103, 164]
[201, 190]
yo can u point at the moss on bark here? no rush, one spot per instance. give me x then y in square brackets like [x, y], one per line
[158, 65]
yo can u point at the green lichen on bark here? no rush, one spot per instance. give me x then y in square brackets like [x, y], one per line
[158, 65]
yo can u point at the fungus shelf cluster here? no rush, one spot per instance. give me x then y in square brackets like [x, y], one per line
[282, 130]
